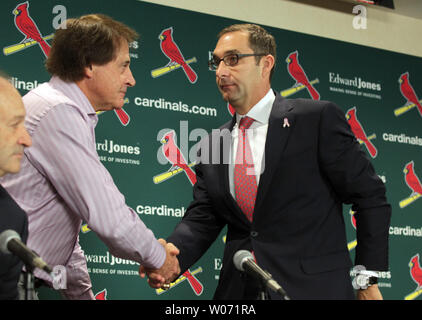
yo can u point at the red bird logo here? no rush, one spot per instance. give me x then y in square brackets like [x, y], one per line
[102, 295]
[416, 271]
[28, 28]
[195, 284]
[296, 72]
[172, 51]
[230, 109]
[175, 156]
[359, 132]
[412, 179]
[408, 92]
[353, 218]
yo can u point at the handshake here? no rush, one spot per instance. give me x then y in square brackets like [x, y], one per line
[169, 271]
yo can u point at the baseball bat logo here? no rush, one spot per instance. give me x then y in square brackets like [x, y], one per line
[121, 114]
[414, 184]
[416, 275]
[359, 132]
[299, 75]
[102, 295]
[409, 94]
[32, 35]
[190, 276]
[176, 60]
[174, 155]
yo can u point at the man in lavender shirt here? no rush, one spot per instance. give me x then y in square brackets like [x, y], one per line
[62, 180]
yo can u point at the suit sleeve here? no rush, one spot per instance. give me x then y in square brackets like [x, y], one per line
[355, 181]
[199, 227]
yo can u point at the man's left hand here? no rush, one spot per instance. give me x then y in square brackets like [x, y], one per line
[371, 293]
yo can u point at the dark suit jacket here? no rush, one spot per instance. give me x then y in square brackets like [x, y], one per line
[298, 230]
[11, 217]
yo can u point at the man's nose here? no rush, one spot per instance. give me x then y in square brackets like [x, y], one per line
[25, 138]
[130, 79]
[222, 70]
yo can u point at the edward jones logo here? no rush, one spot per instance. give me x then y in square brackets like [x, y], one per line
[110, 151]
[354, 86]
[110, 146]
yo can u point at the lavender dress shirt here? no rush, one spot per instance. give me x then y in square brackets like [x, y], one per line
[62, 183]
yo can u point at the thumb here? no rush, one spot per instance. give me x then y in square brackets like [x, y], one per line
[173, 250]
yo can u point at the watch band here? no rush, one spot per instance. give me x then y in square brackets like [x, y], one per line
[372, 281]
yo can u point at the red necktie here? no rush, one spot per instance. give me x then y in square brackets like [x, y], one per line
[244, 172]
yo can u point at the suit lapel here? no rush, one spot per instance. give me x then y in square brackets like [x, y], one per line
[281, 123]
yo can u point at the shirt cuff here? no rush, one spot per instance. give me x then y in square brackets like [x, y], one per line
[369, 273]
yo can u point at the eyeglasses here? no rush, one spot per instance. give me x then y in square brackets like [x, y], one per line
[230, 60]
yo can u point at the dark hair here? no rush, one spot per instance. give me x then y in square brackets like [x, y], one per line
[89, 39]
[260, 40]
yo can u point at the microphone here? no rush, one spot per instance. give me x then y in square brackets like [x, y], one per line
[10, 243]
[244, 261]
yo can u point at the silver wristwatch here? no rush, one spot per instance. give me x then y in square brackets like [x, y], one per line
[363, 281]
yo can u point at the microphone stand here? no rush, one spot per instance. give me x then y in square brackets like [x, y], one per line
[263, 294]
[29, 283]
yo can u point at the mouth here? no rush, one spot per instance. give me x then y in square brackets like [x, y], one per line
[226, 86]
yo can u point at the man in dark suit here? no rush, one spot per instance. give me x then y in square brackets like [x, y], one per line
[283, 201]
[13, 139]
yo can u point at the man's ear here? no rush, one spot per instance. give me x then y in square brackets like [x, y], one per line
[268, 62]
[89, 71]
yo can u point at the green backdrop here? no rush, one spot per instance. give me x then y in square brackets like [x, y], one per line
[352, 76]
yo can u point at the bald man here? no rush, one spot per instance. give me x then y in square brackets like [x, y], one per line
[13, 139]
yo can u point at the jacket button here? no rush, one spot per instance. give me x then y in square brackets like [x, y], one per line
[254, 234]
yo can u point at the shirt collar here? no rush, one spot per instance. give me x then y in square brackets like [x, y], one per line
[261, 111]
[74, 93]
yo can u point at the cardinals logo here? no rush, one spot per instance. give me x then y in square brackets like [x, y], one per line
[413, 183]
[32, 35]
[298, 74]
[121, 114]
[194, 283]
[173, 154]
[359, 133]
[176, 60]
[26, 25]
[409, 94]
[416, 274]
[352, 244]
[230, 109]
[102, 295]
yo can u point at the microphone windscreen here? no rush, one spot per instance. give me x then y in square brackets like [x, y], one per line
[5, 237]
[240, 257]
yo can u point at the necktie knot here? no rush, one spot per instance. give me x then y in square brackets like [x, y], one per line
[245, 123]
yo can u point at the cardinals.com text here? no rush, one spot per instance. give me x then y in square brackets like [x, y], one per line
[178, 106]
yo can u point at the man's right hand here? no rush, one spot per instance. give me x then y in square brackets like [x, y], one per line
[168, 272]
